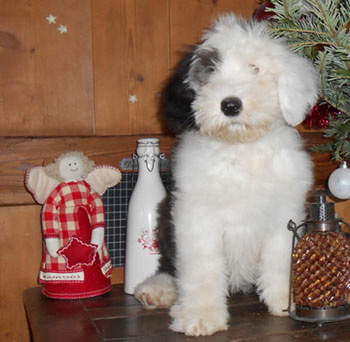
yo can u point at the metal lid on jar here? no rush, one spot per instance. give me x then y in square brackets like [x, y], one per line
[321, 214]
[320, 209]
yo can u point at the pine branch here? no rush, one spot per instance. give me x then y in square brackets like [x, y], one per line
[319, 30]
[282, 30]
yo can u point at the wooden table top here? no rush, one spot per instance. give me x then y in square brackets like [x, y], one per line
[119, 317]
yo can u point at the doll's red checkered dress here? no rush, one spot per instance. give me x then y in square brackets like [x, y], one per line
[60, 220]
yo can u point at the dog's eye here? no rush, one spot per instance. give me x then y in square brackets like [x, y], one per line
[254, 68]
[210, 69]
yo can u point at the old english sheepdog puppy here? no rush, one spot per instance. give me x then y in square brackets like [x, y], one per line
[239, 174]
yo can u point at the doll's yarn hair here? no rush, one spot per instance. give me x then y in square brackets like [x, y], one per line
[52, 169]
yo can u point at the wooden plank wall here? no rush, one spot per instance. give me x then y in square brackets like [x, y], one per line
[71, 90]
[46, 85]
[131, 47]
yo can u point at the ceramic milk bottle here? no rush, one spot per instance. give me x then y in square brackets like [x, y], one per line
[141, 246]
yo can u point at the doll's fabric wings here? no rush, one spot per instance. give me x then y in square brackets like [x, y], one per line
[39, 184]
[103, 177]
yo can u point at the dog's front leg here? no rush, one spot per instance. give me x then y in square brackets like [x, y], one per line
[273, 283]
[200, 308]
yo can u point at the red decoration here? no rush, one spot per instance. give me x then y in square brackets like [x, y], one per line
[148, 240]
[78, 253]
[319, 116]
[262, 12]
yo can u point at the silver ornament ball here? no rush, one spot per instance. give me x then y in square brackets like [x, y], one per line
[339, 182]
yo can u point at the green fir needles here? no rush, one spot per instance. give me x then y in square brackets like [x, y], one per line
[320, 31]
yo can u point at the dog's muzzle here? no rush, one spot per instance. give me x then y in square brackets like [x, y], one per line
[231, 106]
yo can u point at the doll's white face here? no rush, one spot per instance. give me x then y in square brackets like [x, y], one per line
[71, 167]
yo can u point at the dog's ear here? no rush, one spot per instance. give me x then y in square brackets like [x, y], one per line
[178, 98]
[298, 88]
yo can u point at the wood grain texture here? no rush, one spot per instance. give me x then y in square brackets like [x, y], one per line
[130, 41]
[46, 85]
[117, 275]
[56, 315]
[20, 255]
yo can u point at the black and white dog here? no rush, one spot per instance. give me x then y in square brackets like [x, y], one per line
[239, 174]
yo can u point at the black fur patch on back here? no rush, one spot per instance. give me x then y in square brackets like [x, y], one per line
[166, 238]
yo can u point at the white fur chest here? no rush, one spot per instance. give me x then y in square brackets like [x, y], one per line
[262, 167]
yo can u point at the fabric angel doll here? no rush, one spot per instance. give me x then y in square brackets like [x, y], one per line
[75, 262]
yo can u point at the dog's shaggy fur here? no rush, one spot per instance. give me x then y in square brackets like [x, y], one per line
[239, 174]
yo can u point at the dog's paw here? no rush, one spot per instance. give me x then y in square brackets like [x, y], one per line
[279, 304]
[201, 321]
[157, 291]
[279, 311]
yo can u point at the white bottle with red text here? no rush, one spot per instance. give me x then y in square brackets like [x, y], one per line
[142, 252]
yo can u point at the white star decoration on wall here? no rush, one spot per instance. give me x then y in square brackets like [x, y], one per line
[62, 29]
[133, 98]
[51, 19]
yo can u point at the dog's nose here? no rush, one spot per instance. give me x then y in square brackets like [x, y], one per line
[231, 106]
